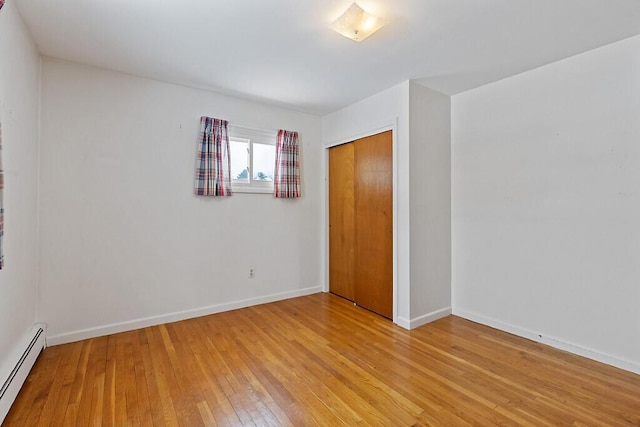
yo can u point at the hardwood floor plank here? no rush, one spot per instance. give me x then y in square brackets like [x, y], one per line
[81, 373]
[110, 384]
[182, 396]
[356, 389]
[164, 378]
[140, 381]
[70, 416]
[95, 361]
[318, 361]
[303, 376]
[130, 393]
[207, 416]
[152, 389]
[280, 364]
[67, 372]
[37, 398]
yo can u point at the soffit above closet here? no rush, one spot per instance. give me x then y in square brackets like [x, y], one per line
[282, 52]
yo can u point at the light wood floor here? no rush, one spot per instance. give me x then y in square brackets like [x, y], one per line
[318, 360]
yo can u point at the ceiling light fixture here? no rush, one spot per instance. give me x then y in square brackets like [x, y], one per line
[355, 23]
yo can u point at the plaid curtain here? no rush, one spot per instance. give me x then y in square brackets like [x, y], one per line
[1, 205]
[286, 183]
[213, 168]
[1, 3]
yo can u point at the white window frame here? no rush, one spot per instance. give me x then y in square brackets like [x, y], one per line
[251, 136]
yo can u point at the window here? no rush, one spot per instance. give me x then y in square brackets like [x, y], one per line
[253, 157]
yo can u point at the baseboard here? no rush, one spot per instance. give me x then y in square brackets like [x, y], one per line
[627, 365]
[175, 317]
[403, 322]
[16, 373]
[424, 319]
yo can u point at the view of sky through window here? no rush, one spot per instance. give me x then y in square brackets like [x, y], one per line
[264, 157]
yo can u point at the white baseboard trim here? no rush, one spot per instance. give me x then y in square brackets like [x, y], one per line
[617, 362]
[175, 317]
[424, 319]
[14, 375]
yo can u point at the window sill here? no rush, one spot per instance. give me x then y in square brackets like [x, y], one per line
[255, 190]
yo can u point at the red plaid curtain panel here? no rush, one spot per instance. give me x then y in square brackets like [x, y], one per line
[286, 183]
[213, 164]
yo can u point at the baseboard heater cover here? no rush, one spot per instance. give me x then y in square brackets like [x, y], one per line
[12, 384]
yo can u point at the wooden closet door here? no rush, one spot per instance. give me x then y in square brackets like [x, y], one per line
[374, 223]
[342, 221]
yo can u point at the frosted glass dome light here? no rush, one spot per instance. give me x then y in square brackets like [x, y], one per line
[355, 23]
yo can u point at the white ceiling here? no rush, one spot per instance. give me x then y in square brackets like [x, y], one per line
[282, 51]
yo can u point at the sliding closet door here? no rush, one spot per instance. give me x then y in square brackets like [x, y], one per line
[361, 223]
[341, 221]
[374, 223]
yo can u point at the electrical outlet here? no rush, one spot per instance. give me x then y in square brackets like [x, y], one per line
[252, 273]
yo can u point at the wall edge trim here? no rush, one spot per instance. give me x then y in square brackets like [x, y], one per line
[556, 343]
[131, 325]
[416, 322]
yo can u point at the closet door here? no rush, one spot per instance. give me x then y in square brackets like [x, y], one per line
[374, 223]
[361, 223]
[341, 221]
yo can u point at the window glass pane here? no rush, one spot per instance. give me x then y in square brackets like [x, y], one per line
[264, 158]
[239, 160]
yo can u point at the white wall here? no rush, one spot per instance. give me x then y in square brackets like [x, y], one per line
[430, 184]
[19, 77]
[546, 204]
[124, 242]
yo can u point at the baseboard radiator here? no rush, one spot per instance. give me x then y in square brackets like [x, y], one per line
[12, 383]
